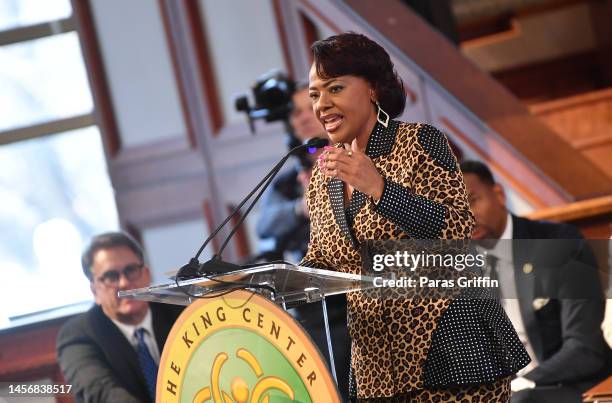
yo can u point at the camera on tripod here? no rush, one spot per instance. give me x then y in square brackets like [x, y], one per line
[273, 92]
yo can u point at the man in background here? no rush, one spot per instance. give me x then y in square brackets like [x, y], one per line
[111, 352]
[563, 336]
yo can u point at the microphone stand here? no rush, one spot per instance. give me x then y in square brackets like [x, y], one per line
[216, 264]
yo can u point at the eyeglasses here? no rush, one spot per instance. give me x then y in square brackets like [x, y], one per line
[131, 272]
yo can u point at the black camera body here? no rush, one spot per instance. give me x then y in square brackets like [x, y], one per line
[273, 92]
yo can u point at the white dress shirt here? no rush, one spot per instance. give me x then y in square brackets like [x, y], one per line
[606, 326]
[149, 335]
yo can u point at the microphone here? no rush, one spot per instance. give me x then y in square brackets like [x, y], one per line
[216, 263]
[314, 143]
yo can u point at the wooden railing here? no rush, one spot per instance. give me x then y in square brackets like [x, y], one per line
[598, 209]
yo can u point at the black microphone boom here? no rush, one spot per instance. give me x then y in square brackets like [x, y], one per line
[216, 263]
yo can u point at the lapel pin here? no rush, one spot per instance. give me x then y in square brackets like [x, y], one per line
[527, 268]
[539, 303]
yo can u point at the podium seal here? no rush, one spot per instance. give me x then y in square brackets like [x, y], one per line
[241, 348]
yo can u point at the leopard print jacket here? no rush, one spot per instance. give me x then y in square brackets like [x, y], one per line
[402, 345]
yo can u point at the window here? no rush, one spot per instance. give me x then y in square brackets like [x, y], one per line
[42, 80]
[17, 13]
[55, 192]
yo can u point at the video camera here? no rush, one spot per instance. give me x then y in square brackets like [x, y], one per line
[273, 92]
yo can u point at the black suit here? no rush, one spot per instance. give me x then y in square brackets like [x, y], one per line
[100, 363]
[558, 267]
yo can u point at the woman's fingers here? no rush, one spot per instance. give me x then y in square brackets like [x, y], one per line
[336, 167]
[354, 168]
[334, 164]
[332, 156]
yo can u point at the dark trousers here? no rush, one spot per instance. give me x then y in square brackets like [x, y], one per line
[548, 394]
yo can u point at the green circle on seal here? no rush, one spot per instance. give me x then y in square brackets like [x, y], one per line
[238, 376]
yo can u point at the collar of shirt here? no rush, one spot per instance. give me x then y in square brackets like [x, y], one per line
[147, 324]
[128, 330]
[507, 234]
[503, 247]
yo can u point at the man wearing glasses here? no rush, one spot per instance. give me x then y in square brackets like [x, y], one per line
[111, 352]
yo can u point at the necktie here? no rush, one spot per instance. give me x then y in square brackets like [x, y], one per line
[147, 363]
[492, 261]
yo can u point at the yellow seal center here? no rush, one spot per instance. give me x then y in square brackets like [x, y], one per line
[240, 390]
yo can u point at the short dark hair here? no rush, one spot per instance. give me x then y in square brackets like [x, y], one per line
[105, 241]
[357, 55]
[480, 169]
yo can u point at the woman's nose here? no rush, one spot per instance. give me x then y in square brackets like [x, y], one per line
[323, 102]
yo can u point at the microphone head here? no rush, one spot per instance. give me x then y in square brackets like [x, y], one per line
[314, 143]
[190, 270]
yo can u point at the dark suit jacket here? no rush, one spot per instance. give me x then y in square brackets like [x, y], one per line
[565, 333]
[100, 363]
[278, 219]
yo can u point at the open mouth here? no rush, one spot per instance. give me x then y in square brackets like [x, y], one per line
[332, 122]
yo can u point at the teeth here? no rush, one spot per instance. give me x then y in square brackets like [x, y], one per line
[331, 118]
[333, 123]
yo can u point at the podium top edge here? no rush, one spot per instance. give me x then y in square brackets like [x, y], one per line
[253, 270]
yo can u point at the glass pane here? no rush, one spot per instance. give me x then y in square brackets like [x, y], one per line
[255, 39]
[55, 195]
[16, 13]
[41, 80]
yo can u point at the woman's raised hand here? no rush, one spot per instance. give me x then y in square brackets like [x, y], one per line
[352, 167]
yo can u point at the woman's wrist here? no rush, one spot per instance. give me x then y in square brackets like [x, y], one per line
[377, 190]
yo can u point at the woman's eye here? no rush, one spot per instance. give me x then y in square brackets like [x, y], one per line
[335, 89]
[313, 95]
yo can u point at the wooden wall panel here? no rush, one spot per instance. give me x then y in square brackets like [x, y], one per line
[585, 122]
[28, 354]
[508, 165]
[601, 15]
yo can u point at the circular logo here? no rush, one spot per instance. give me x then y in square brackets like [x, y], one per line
[241, 348]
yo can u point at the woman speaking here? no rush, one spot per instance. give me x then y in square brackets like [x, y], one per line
[386, 179]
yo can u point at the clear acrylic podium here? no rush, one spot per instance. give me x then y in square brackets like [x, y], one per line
[293, 285]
